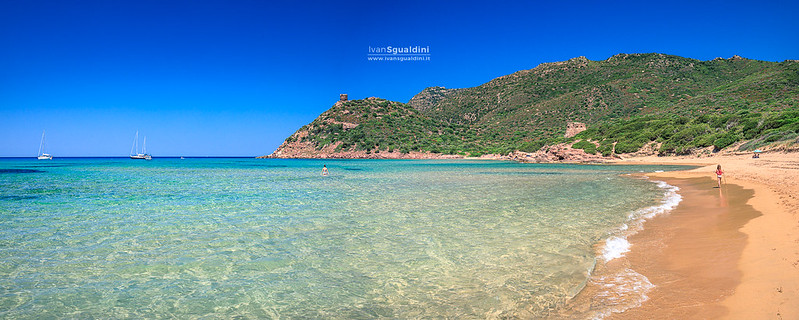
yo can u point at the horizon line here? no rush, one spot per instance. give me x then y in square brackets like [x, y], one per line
[124, 157]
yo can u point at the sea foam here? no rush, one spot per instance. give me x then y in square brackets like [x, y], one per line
[617, 246]
[625, 289]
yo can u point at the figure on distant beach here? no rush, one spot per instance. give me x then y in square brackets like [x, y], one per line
[719, 173]
[324, 170]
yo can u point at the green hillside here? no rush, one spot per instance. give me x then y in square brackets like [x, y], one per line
[381, 125]
[628, 100]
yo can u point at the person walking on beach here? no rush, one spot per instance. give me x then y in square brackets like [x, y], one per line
[719, 173]
[324, 170]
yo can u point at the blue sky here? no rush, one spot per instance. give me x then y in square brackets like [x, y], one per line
[235, 78]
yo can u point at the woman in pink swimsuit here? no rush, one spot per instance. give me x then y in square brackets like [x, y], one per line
[719, 173]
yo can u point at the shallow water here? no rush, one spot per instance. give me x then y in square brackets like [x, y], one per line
[221, 238]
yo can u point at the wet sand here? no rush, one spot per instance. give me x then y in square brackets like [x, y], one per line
[723, 254]
[691, 255]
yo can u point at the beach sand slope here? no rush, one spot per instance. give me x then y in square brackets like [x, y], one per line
[702, 238]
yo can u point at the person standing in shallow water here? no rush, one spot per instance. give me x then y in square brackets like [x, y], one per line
[719, 174]
[324, 170]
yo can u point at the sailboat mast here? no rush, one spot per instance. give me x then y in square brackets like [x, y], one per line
[135, 146]
[144, 146]
[41, 144]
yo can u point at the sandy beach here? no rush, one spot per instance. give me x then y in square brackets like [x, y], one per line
[730, 253]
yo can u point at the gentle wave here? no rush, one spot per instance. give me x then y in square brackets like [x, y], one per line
[625, 289]
[622, 290]
[617, 246]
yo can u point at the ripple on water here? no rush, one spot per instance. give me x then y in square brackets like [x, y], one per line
[253, 238]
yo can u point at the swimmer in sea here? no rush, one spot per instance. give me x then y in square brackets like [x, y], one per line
[324, 170]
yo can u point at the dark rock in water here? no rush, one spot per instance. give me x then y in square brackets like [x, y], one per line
[266, 166]
[18, 197]
[2, 171]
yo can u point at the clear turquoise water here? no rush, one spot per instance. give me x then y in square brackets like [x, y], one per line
[221, 238]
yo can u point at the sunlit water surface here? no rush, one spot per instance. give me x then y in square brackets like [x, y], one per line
[220, 238]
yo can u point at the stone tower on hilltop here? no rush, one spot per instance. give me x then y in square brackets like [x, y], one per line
[573, 128]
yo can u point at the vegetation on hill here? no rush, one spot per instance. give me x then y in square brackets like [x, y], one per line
[628, 101]
[374, 125]
[680, 134]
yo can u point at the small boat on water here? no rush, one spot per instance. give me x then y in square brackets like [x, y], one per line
[43, 155]
[134, 149]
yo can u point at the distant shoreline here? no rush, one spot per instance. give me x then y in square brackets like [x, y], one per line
[127, 157]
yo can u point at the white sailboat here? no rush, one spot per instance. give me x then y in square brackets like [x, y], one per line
[144, 149]
[43, 155]
[134, 149]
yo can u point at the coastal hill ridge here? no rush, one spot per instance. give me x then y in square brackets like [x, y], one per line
[630, 104]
